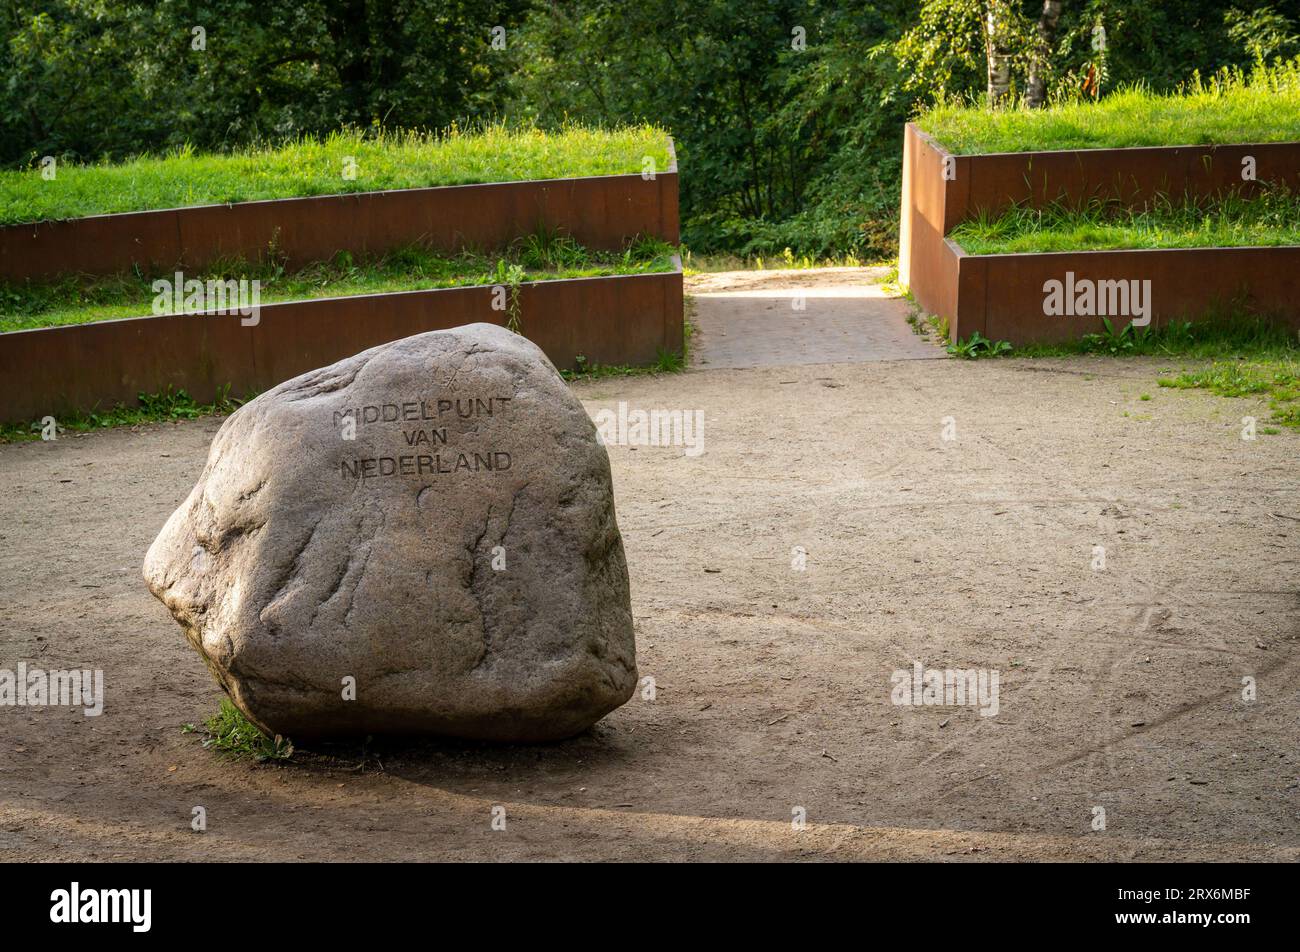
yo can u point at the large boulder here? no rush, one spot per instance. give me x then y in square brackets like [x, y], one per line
[428, 525]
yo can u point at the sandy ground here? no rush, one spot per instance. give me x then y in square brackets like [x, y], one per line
[1119, 689]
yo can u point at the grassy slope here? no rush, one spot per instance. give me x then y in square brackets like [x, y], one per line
[1261, 107]
[316, 167]
[1273, 218]
[538, 258]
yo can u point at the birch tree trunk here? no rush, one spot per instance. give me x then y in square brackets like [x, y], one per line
[1036, 91]
[997, 47]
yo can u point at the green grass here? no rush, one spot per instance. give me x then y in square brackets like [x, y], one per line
[153, 408]
[1225, 332]
[693, 263]
[538, 257]
[538, 251]
[1238, 355]
[230, 732]
[666, 362]
[1233, 106]
[304, 167]
[1276, 379]
[1242, 356]
[1270, 218]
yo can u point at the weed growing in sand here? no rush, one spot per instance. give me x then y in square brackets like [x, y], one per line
[230, 732]
[154, 408]
[977, 346]
[1277, 379]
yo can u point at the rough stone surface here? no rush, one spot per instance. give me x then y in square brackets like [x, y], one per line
[303, 557]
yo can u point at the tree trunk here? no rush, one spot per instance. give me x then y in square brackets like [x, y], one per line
[997, 47]
[1036, 93]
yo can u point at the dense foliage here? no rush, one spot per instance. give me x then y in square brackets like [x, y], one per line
[787, 113]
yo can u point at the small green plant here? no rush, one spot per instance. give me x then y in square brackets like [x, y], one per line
[173, 405]
[890, 285]
[549, 249]
[154, 408]
[510, 276]
[230, 732]
[668, 362]
[940, 326]
[1115, 342]
[977, 346]
[648, 248]
[922, 323]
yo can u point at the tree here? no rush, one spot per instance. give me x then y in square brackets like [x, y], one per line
[999, 38]
[787, 113]
[1041, 58]
[92, 78]
[1047, 49]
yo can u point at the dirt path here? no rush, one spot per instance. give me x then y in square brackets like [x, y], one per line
[1119, 689]
[788, 318]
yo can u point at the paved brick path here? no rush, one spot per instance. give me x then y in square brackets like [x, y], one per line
[820, 316]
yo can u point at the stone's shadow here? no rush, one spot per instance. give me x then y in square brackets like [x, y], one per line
[460, 765]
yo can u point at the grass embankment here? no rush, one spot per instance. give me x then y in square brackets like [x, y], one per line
[538, 257]
[1233, 106]
[342, 162]
[1270, 218]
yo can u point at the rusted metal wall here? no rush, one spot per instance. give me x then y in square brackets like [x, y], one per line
[968, 294]
[1130, 176]
[600, 212]
[925, 264]
[624, 319]
[1001, 296]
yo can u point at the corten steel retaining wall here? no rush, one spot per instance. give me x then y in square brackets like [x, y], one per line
[1001, 296]
[942, 277]
[600, 212]
[624, 319]
[926, 264]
